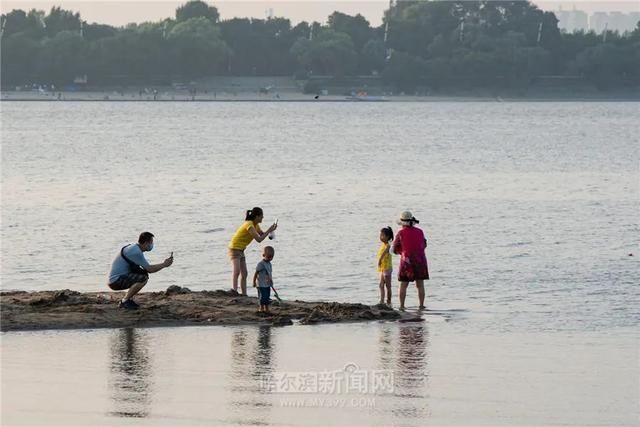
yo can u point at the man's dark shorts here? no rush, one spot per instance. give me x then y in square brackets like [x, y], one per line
[127, 280]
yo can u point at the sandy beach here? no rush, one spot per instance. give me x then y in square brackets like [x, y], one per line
[176, 306]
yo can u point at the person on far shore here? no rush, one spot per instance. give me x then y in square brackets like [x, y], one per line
[130, 269]
[411, 244]
[385, 267]
[248, 231]
[263, 278]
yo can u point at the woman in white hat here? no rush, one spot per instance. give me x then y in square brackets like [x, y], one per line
[411, 244]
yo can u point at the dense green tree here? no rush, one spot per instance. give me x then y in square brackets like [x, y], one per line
[421, 45]
[196, 48]
[18, 21]
[59, 20]
[260, 47]
[357, 27]
[19, 52]
[608, 66]
[328, 53]
[197, 9]
[373, 57]
[120, 59]
[406, 72]
[98, 31]
[61, 59]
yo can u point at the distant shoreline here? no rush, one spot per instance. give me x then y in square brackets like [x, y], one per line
[14, 96]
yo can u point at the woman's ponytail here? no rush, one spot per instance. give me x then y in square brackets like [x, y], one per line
[253, 213]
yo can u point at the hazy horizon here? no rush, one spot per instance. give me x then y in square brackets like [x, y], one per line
[119, 12]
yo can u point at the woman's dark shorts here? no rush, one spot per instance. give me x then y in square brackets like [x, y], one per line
[127, 280]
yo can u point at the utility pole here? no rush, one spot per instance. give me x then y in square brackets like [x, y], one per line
[604, 32]
[539, 34]
[2, 24]
[386, 32]
[387, 51]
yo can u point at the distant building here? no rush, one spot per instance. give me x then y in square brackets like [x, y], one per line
[614, 21]
[634, 18]
[578, 20]
[572, 20]
[617, 22]
[80, 80]
[599, 21]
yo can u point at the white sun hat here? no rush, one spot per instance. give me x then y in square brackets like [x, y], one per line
[406, 217]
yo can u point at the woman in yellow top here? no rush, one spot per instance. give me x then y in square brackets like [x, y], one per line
[385, 268]
[245, 234]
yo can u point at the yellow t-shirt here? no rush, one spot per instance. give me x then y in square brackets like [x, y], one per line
[241, 238]
[386, 258]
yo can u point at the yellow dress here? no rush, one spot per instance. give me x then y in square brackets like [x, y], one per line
[386, 258]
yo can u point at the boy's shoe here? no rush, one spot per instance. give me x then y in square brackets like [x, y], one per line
[128, 305]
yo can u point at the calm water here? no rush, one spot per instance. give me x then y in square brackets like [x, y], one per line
[216, 376]
[531, 210]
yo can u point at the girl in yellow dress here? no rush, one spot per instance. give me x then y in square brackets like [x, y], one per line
[385, 267]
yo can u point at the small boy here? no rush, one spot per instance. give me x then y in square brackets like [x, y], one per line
[262, 278]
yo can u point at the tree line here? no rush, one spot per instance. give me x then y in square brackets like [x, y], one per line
[438, 45]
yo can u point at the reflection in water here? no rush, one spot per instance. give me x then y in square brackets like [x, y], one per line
[412, 355]
[130, 380]
[262, 353]
[238, 357]
[252, 352]
[386, 345]
[410, 368]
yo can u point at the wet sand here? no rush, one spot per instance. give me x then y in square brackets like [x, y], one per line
[176, 306]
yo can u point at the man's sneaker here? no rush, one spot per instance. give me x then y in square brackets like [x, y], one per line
[128, 304]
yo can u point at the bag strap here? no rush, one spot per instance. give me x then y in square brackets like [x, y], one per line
[131, 263]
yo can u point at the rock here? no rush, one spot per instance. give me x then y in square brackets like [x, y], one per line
[56, 298]
[281, 321]
[412, 319]
[367, 314]
[391, 314]
[175, 290]
[222, 293]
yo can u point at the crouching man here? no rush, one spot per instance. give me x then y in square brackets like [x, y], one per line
[130, 269]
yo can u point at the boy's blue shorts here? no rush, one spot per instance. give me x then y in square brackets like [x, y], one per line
[264, 293]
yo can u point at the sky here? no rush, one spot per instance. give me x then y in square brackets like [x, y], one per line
[122, 12]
